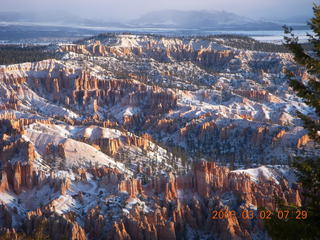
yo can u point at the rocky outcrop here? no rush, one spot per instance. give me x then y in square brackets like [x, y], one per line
[56, 227]
[166, 86]
[17, 172]
[207, 183]
[119, 232]
[214, 101]
[95, 223]
[76, 88]
[55, 154]
[303, 141]
[81, 49]
[142, 142]
[4, 185]
[86, 90]
[279, 135]
[213, 138]
[20, 149]
[109, 146]
[11, 233]
[112, 145]
[205, 57]
[260, 96]
[131, 186]
[163, 208]
[167, 125]
[21, 176]
[64, 186]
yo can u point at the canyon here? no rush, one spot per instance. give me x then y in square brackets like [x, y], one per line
[141, 137]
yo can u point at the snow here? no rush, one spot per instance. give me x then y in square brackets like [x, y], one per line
[215, 94]
[136, 41]
[35, 197]
[258, 173]
[63, 174]
[94, 132]
[64, 203]
[43, 106]
[7, 198]
[272, 172]
[119, 112]
[286, 172]
[133, 201]
[78, 154]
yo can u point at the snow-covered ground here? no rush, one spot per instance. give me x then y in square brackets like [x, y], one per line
[270, 172]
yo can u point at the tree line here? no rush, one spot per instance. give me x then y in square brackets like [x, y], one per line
[13, 54]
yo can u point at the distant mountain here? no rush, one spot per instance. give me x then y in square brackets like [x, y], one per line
[200, 19]
[296, 20]
[218, 20]
[53, 18]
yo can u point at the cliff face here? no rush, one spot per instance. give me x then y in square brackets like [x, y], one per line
[56, 227]
[112, 146]
[187, 201]
[74, 88]
[132, 187]
[85, 90]
[179, 51]
[164, 208]
[125, 207]
[170, 88]
[19, 148]
[106, 142]
[239, 85]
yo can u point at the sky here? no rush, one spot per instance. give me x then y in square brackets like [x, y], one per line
[130, 9]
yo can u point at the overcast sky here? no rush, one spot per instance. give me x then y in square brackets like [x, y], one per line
[126, 9]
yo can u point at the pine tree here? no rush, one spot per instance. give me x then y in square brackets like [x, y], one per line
[308, 170]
